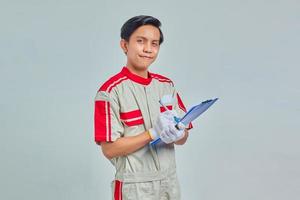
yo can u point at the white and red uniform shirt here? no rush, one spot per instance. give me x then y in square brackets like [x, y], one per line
[127, 105]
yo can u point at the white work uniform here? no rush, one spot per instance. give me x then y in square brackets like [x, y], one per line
[128, 105]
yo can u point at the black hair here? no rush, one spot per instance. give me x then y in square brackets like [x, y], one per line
[135, 22]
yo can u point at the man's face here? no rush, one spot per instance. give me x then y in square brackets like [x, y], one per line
[142, 48]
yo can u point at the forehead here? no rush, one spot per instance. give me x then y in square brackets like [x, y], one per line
[147, 31]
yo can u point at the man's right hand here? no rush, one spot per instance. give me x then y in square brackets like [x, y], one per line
[171, 134]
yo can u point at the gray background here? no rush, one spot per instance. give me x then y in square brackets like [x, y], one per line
[55, 54]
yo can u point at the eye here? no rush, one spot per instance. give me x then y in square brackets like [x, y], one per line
[155, 44]
[139, 40]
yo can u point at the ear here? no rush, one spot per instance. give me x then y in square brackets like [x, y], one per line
[123, 45]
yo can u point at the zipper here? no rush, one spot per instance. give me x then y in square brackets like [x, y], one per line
[152, 148]
[148, 106]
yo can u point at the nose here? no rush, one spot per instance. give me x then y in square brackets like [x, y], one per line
[148, 48]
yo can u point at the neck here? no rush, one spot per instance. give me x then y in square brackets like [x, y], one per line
[142, 72]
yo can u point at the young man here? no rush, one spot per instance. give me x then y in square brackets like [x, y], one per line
[128, 116]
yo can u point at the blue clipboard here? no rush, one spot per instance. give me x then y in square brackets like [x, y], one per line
[192, 114]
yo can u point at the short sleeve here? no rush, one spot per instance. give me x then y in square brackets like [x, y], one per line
[180, 107]
[107, 124]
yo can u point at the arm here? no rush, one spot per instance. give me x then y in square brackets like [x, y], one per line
[125, 145]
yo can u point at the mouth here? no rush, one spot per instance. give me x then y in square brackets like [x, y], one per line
[147, 57]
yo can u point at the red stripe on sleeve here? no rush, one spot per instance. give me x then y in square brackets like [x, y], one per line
[118, 190]
[109, 121]
[131, 114]
[182, 107]
[100, 121]
[134, 123]
[121, 186]
[180, 103]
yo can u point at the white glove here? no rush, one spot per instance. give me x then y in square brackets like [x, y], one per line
[171, 134]
[161, 123]
[165, 128]
[170, 115]
[173, 116]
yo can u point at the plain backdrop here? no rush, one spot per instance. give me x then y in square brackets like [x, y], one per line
[55, 54]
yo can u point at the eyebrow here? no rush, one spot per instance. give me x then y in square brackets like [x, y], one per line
[146, 38]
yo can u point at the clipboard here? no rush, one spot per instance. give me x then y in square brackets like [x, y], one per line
[193, 113]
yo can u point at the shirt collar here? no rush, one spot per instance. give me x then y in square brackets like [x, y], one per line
[136, 78]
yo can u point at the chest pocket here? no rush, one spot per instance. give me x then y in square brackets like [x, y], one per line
[132, 118]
